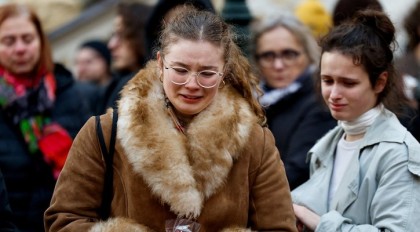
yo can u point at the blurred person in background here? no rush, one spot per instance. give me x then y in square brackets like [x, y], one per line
[286, 55]
[93, 63]
[127, 49]
[41, 111]
[408, 64]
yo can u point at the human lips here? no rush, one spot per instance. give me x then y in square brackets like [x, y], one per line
[337, 106]
[190, 98]
[21, 62]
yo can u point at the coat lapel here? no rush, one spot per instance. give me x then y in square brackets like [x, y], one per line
[348, 189]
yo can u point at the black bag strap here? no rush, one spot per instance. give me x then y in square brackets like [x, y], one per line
[108, 157]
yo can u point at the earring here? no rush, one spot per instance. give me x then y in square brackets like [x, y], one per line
[222, 85]
[161, 78]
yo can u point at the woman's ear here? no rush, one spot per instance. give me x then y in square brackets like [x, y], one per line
[159, 58]
[381, 82]
[160, 62]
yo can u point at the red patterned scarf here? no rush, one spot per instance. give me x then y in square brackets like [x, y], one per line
[27, 103]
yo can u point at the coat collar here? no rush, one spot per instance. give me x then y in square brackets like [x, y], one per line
[386, 121]
[182, 170]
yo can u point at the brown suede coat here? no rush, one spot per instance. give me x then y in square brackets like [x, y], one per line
[225, 173]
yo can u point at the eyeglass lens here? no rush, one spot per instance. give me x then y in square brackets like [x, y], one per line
[205, 78]
[288, 56]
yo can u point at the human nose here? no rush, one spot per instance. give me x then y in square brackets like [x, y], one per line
[20, 46]
[113, 41]
[192, 81]
[278, 62]
[335, 92]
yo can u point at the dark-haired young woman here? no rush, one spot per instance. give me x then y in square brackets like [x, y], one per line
[365, 173]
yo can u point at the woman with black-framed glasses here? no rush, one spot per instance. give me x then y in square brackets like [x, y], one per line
[192, 151]
[286, 55]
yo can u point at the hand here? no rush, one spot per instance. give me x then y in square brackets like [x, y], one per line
[307, 217]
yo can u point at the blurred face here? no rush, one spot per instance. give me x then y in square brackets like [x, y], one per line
[346, 88]
[90, 66]
[281, 58]
[183, 61]
[123, 56]
[19, 45]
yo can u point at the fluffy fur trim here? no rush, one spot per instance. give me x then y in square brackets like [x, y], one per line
[181, 170]
[119, 224]
[236, 229]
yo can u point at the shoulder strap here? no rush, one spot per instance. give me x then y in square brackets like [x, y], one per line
[108, 157]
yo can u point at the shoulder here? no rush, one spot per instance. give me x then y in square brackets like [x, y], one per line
[328, 141]
[260, 143]
[393, 143]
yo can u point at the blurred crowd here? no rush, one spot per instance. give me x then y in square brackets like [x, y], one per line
[43, 104]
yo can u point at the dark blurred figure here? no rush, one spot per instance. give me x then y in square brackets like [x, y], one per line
[287, 56]
[346, 9]
[162, 12]
[6, 224]
[93, 63]
[408, 65]
[127, 49]
[237, 13]
[41, 110]
[409, 62]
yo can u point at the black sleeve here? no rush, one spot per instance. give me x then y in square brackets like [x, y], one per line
[6, 224]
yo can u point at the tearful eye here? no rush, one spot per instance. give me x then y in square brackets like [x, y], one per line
[207, 74]
[327, 81]
[349, 84]
[180, 71]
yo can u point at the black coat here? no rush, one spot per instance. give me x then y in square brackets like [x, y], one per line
[111, 93]
[6, 224]
[28, 179]
[297, 121]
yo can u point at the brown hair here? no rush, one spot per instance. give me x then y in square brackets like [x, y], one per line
[370, 40]
[12, 10]
[193, 24]
[345, 10]
[134, 17]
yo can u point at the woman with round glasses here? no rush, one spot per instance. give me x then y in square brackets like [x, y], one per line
[191, 151]
[286, 54]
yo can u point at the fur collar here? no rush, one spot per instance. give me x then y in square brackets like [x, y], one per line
[182, 170]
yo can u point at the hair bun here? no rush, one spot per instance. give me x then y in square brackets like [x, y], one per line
[379, 22]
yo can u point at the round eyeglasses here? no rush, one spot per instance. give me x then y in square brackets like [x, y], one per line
[287, 56]
[181, 76]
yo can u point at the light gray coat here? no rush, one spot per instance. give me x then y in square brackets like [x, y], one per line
[381, 187]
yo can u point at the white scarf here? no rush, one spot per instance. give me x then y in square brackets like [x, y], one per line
[275, 95]
[360, 125]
